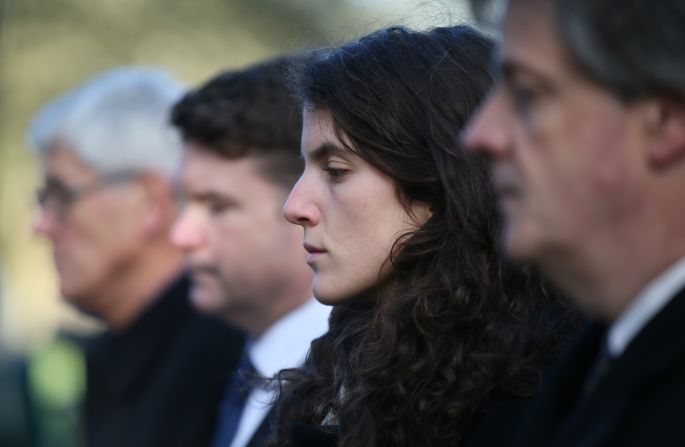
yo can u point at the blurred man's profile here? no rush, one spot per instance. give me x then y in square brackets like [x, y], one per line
[586, 134]
[242, 155]
[107, 204]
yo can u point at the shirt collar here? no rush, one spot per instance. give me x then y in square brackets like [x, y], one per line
[286, 343]
[647, 303]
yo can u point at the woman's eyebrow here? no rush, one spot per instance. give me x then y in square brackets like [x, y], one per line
[325, 150]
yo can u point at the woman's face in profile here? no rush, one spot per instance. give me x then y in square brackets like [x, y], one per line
[349, 211]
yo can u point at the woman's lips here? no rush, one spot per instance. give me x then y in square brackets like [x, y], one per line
[314, 252]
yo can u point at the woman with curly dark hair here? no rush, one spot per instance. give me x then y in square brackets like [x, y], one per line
[434, 338]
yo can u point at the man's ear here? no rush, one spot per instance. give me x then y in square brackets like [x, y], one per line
[666, 125]
[158, 204]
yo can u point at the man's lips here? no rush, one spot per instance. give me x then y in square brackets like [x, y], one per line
[506, 191]
[203, 272]
[505, 186]
[312, 249]
[63, 262]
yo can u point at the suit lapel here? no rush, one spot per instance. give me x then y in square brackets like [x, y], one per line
[551, 408]
[652, 352]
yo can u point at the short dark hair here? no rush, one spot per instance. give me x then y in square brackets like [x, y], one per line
[247, 113]
[632, 48]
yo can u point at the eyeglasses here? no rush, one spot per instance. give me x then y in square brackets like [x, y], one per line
[57, 198]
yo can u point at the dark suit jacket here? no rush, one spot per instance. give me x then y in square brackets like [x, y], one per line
[499, 424]
[638, 402]
[159, 383]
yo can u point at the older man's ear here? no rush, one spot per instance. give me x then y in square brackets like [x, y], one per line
[665, 120]
[159, 207]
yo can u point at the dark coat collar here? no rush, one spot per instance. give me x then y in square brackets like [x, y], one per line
[126, 361]
[557, 418]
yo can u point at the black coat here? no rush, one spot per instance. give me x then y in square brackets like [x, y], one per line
[638, 402]
[160, 382]
[497, 427]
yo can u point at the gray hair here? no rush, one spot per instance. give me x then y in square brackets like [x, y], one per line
[117, 121]
[634, 48]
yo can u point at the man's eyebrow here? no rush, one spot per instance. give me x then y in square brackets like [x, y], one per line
[209, 196]
[325, 150]
[502, 70]
[509, 69]
[495, 63]
[53, 181]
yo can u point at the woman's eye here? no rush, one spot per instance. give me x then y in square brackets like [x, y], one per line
[336, 174]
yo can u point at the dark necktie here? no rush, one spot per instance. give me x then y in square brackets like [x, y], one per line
[233, 403]
[600, 368]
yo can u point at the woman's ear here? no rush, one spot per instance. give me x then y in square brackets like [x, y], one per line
[421, 212]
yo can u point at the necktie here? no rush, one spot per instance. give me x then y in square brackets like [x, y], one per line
[602, 364]
[233, 403]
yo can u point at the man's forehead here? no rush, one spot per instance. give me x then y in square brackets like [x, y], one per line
[204, 171]
[491, 13]
[530, 40]
[61, 161]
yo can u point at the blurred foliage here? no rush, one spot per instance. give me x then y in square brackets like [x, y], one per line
[56, 379]
[57, 374]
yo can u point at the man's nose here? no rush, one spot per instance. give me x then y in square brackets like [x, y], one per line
[187, 233]
[486, 131]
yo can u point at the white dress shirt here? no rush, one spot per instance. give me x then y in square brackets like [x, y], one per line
[284, 345]
[657, 294]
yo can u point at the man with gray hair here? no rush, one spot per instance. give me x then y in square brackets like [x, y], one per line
[586, 134]
[107, 205]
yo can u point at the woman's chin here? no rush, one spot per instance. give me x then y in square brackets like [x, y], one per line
[333, 297]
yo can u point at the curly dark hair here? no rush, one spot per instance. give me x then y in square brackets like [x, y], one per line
[460, 327]
[250, 112]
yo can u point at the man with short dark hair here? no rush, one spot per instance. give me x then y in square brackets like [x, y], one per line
[586, 134]
[242, 134]
[107, 205]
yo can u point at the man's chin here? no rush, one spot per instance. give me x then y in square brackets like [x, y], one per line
[79, 300]
[518, 244]
[205, 301]
[71, 294]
